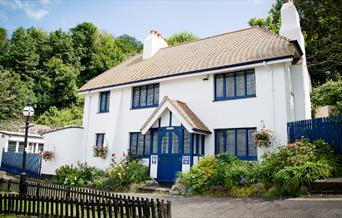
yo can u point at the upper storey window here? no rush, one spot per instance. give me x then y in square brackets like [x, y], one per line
[104, 102]
[235, 85]
[145, 96]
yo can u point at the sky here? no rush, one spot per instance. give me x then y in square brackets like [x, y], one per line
[203, 17]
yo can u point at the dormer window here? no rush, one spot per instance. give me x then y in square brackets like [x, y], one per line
[145, 96]
[235, 85]
[104, 102]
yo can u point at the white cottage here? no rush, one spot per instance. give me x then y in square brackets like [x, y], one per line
[173, 104]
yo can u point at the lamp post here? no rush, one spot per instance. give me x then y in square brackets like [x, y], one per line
[28, 113]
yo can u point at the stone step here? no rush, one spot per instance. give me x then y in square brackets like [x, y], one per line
[326, 186]
[156, 188]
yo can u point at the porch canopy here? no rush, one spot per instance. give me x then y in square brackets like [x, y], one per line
[182, 113]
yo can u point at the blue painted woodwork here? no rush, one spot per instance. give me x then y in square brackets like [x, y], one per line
[100, 139]
[225, 95]
[146, 96]
[12, 162]
[104, 102]
[246, 147]
[327, 128]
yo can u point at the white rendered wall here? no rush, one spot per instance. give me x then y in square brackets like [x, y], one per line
[67, 144]
[270, 106]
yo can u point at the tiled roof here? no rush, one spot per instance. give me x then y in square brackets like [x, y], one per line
[243, 46]
[193, 120]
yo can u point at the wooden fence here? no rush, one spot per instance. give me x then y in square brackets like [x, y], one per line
[61, 201]
[328, 128]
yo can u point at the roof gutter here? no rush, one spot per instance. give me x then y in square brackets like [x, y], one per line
[202, 71]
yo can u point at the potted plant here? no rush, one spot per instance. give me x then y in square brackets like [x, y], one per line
[263, 137]
[100, 151]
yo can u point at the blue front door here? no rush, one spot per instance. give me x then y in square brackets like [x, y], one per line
[170, 145]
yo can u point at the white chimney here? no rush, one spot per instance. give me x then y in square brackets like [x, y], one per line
[290, 24]
[300, 77]
[153, 42]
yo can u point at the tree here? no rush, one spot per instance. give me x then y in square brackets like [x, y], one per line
[128, 45]
[321, 22]
[181, 38]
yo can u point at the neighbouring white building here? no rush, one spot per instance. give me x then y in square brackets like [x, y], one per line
[173, 104]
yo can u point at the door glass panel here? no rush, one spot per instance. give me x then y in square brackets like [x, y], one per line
[165, 144]
[175, 143]
[155, 142]
[186, 142]
[241, 143]
[251, 143]
[230, 141]
[11, 146]
[240, 84]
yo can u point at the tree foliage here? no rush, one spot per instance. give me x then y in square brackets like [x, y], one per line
[181, 38]
[321, 22]
[48, 68]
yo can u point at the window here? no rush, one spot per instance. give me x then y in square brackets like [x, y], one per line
[11, 146]
[141, 145]
[104, 102]
[100, 139]
[21, 147]
[40, 147]
[238, 142]
[145, 96]
[198, 144]
[235, 85]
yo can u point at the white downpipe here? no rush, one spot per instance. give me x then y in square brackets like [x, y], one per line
[273, 96]
[87, 132]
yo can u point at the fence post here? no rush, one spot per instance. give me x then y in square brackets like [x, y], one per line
[168, 209]
[37, 189]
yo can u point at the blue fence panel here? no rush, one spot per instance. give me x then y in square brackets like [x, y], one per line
[327, 128]
[12, 162]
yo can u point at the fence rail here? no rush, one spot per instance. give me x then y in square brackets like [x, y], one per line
[56, 200]
[328, 128]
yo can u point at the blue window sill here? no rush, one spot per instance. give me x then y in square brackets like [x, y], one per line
[248, 158]
[234, 98]
[152, 106]
[101, 112]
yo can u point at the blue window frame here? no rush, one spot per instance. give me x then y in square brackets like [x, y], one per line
[99, 139]
[235, 85]
[104, 102]
[145, 96]
[143, 145]
[198, 144]
[239, 142]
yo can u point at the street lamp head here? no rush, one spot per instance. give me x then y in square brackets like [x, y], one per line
[28, 111]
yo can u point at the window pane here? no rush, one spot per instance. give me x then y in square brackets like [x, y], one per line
[133, 144]
[252, 151]
[175, 143]
[12, 146]
[136, 94]
[219, 141]
[147, 143]
[230, 134]
[250, 76]
[230, 87]
[143, 92]
[241, 143]
[107, 101]
[155, 142]
[150, 95]
[240, 84]
[186, 142]
[140, 144]
[99, 139]
[199, 144]
[219, 86]
[40, 147]
[21, 147]
[156, 94]
[195, 144]
[165, 143]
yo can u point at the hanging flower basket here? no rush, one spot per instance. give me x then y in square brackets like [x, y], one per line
[263, 138]
[48, 155]
[100, 151]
